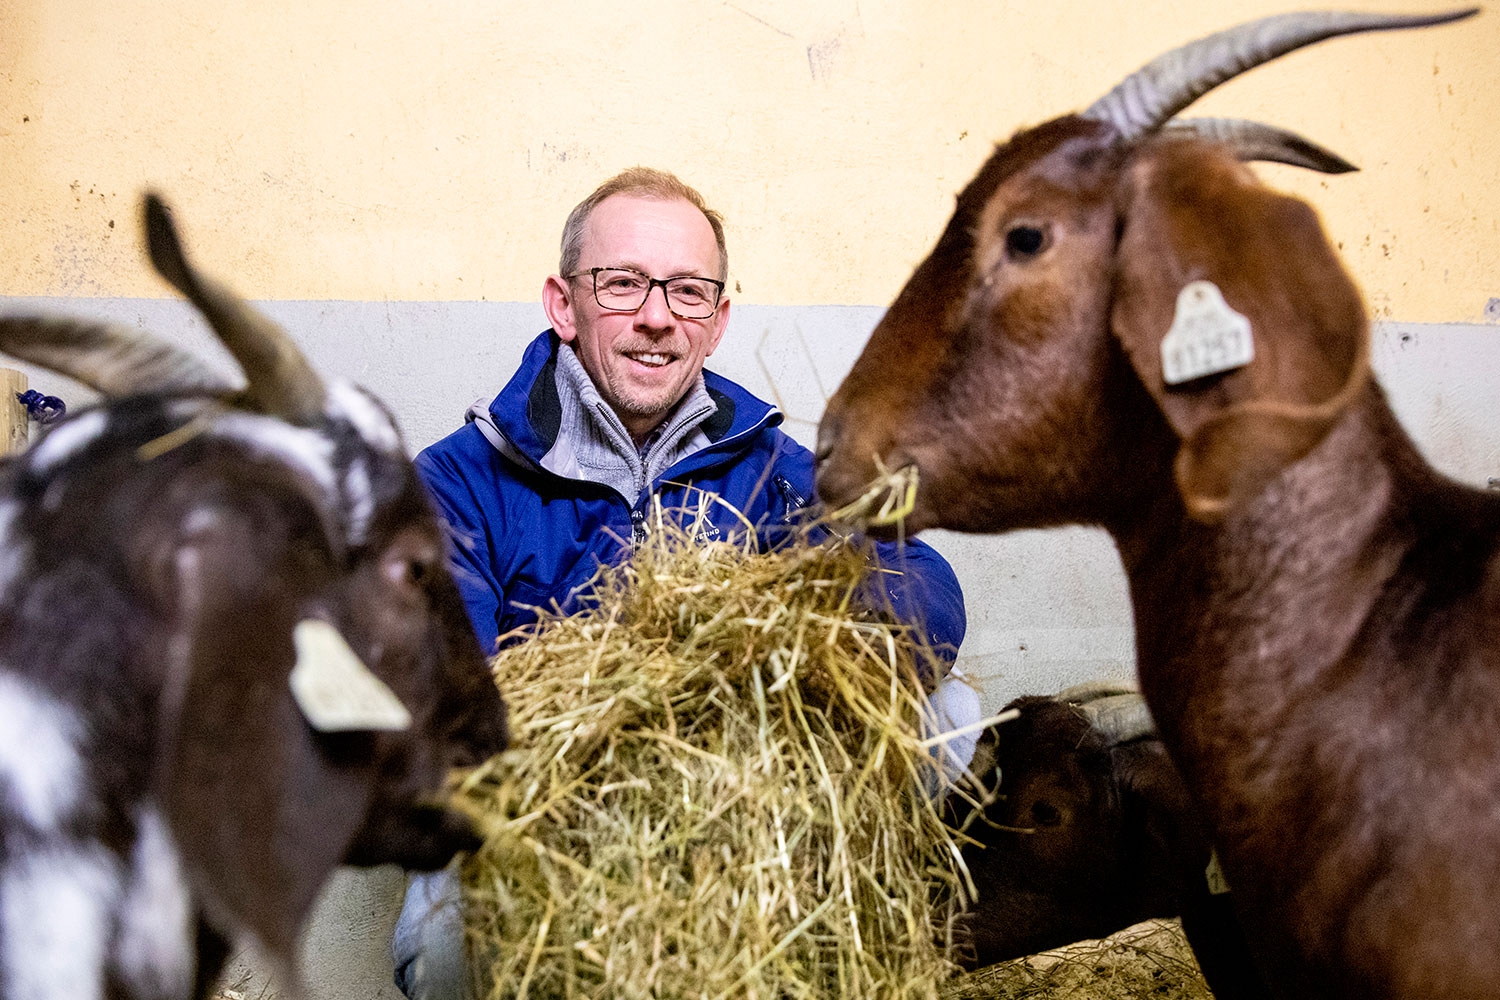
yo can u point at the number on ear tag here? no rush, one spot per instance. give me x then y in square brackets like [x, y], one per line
[333, 687]
[1207, 336]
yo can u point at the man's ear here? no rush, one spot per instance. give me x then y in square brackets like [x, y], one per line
[720, 321]
[557, 301]
[1194, 219]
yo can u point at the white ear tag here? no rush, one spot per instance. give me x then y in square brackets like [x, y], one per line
[1207, 337]
[333, 687]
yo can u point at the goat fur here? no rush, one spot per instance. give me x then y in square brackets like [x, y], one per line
[1311, 599]
[1073, 834]
[162, 795]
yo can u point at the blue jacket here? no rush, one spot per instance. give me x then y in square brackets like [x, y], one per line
[524, 537]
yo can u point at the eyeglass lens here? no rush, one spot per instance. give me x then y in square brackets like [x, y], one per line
[626, 291]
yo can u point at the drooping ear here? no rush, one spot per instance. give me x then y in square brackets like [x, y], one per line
[1217, 260]
[263, 806]
[1162, 831]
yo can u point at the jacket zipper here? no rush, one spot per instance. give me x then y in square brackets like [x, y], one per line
[794, 500]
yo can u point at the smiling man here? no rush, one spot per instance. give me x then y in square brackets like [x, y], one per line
[610, 410]
[612, 407]
[643, 352]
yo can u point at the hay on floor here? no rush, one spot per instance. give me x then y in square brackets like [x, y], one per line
[715, 791]
[1150, 960]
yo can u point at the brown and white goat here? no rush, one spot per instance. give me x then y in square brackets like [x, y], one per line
[1313, 603]
[1082, 827]
[175, 562]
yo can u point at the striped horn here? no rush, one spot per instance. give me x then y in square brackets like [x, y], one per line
[280, 380]
[1093, 690]
[112, 359]
[1252, 140]
[1119, 718]
[1151, 95]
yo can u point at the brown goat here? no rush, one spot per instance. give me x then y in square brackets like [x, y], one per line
[1311, 599]
[1088, 830]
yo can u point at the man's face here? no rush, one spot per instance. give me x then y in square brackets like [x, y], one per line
[643, 362]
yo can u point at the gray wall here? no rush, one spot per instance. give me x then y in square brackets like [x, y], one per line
[1046, 608]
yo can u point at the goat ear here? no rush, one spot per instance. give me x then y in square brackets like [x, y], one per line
[982, 764]
[263, 806]
[1192, 214]
[1159, 814]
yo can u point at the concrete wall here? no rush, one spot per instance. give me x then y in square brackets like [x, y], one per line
[389, 179]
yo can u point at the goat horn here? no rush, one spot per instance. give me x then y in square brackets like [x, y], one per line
[112, 359]
[1164, 86]
[1252, 140]
[1119, 718]
[280, 381]
[1088, 691]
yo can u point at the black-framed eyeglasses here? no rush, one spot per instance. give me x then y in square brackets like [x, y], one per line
[624, 289]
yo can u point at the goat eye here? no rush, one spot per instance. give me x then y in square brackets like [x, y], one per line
[416, 571]
[406, 572]
[1045, 814]
[1024, 241]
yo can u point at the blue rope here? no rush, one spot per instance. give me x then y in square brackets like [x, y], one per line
[42, 409]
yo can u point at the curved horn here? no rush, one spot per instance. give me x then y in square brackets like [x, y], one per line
[112, 359]
[1170, 82]
[1252, 140]
[280, 381]
[1119, 718]
[1080, 694]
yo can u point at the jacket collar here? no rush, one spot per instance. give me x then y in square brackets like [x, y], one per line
[523, 422]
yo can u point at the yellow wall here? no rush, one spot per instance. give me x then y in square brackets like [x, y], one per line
[429, 151]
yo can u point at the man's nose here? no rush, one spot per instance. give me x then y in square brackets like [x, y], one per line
[654, 311]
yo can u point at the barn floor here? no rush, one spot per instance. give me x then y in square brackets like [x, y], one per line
[1150, 960]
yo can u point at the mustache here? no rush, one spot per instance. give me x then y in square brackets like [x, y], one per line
[672, 349]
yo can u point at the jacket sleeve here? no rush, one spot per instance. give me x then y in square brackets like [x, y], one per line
[914, 583]
[920, 588]
[467, 526]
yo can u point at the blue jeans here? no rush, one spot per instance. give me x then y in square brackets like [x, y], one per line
[428, 945]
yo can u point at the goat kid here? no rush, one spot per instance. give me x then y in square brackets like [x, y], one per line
[1312, 601]
[231, 657]
[1081, 827]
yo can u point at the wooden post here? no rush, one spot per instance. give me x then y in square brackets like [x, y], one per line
[14, 421]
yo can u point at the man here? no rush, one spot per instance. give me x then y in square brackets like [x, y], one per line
[611, 409]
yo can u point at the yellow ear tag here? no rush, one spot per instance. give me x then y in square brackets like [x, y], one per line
[1214, 876]
[333, 687]
[1207, 336]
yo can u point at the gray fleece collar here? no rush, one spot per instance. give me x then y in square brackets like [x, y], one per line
[592, 443]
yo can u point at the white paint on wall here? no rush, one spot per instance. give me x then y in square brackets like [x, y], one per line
[1046, 608]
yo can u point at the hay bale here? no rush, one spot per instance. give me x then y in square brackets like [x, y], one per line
[1151, 959]
[716, 791]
